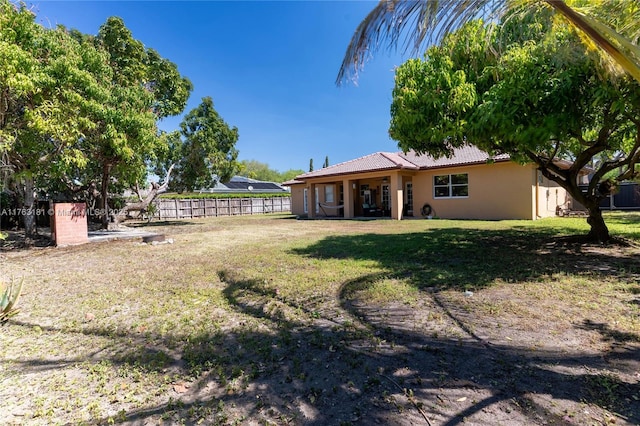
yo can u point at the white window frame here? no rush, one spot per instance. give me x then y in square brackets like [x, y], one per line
[409, 194]
[450, 186]
[328, 194]
[386, 196]
[305, 200]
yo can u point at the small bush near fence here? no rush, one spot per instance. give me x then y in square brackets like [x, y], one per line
[180, 208]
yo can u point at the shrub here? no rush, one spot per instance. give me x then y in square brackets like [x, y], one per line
[8, 300]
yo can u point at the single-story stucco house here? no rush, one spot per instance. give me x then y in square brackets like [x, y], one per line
[468, 185]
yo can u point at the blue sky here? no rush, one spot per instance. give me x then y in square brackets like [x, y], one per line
[269, 66]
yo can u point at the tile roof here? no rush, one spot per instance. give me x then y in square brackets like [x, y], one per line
[461, 156]
[381, 161]
[368, 163]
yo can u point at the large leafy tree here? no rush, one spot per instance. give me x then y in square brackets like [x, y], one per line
[78, 111]
[144, 88]
[612, 25]
[203, 152]
[47, 86]
[531, 90]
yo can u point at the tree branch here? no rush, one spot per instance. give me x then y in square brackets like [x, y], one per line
[144, 203]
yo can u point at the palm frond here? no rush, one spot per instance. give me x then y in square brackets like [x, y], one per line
[412, 26]
[619, 48]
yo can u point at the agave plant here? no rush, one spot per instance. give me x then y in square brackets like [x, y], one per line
[8, 301]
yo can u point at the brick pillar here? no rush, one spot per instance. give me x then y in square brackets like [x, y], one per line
[69, 224]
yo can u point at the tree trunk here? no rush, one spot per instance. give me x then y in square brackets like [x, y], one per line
[599, 231]
[25, 189]
[591, 201]
[29, 207]
[143, 204]
[104, 202]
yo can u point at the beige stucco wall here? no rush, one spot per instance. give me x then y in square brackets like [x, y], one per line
[496, 191]
[297, 199]
[550, 196]
[503, 190]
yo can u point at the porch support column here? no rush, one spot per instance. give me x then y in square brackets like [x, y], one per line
[347, 194]
[397, 196]
[311, 201]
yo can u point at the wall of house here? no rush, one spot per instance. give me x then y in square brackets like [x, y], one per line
[503, 190]
[297, 199]
[496, 191]
[551, 196]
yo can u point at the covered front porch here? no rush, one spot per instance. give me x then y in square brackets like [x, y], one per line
[373, 196]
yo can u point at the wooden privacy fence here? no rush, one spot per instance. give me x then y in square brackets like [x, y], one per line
[212, 207]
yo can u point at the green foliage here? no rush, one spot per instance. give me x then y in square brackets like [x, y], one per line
[171, 90]
[256, 170]
[78, 108]
[81, 111]
[531, 90]
[49, 87]
[207, 154]
[8, 300]
[145, 87]
[290, 174]
[607, 26]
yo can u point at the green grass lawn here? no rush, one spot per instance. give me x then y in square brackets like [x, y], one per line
[271, 320]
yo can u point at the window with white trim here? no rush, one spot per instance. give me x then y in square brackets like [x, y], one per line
[386, 197]
[305, 200]
[451, 186]
[328, 194]
[409, 195]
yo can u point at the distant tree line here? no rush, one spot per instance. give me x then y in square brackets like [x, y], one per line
[261, 171]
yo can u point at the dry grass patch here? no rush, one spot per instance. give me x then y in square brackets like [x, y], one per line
[272, 320]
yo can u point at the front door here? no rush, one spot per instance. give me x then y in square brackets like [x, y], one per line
[386, 200]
